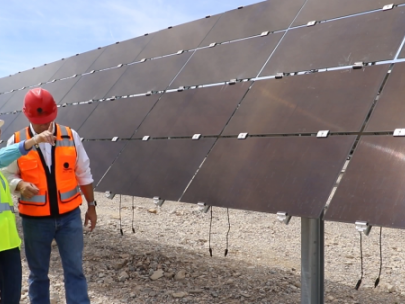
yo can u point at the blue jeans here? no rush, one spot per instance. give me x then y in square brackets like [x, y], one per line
[67, 230]
[10, 276]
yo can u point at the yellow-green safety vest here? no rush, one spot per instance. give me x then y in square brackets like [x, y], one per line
[9, 238]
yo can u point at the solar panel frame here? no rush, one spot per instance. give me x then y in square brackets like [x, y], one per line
[122, 52]
[78, 64]
[338, 101]
[199, 111]
[236, 60]
[253, 19]
[102, 154]
[330, 9]
[117, 118]
[371, 189]
[271, 174]
[387, 113]
[93, 86]
[185, 36]
[340, 42]
[152, 168]
[151, 75]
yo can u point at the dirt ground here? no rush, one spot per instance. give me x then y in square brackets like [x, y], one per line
[167, 259]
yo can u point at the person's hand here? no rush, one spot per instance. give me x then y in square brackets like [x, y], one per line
[46, 136]
[91, 215]
[27, 190]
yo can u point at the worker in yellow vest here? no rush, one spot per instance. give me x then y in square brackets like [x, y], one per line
[10, 259]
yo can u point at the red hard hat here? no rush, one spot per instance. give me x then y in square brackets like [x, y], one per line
[39, 106]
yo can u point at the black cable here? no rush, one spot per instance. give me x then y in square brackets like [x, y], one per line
[122, 232]
[227, 234]
[361, 260]
[209, 236]
[377, 281]
[133, 214]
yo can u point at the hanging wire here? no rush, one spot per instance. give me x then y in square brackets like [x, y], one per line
[209, 236]
[361, 261]
[133, 214]
[377, 281]
[122, 232]
[227, 234]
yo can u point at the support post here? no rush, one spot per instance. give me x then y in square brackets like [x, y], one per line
[312, 261]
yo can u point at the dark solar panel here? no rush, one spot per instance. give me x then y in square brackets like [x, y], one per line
[402, 53]
[4, 98]
[75, 115]
[101, 155]
[15, 103]
[156, 168]
[237, 60]
[329, 9]
[59, 89]
[151, 75]
[120, 53]
[33, 76]
[366, 38]
[5, 84]
[78, 64]
[181, 37]
[372, 189]
[253, 20]
[201, 111]
[118, 118]
[338, 101]
[9, 128]
[16, 123]
[279, 174]
[388, 113]
[93, 86]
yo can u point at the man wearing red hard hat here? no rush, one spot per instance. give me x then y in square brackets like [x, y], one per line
[48, 179]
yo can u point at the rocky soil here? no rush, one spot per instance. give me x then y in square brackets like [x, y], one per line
[167, 259]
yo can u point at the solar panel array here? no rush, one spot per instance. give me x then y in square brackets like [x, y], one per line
[226, 109]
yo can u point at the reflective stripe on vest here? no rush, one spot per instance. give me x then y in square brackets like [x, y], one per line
[69, 194]
[36, 199]
[6, 207]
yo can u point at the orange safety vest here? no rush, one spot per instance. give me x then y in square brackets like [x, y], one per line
[34, 170]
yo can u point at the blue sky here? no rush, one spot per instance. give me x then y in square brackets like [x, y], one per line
[35, 32]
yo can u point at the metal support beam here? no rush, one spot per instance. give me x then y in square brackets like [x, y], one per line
[312, 261]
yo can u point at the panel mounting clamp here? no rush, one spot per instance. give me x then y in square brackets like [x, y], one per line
[142, 60]
[114, 138]
[180, 52]
[358, 65]
[388, 7]
[322, 134]
[212, 44]
[145, 138]
[158, 201]
[279, 75]
[180, 89]
[399, 132]
[196, 136]
[264, 33]
[311, 23]
[363, 227]
[109, 194]
[283, 217]
[242, 135]
[203, 207]
[148, 93]
[232, 81]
